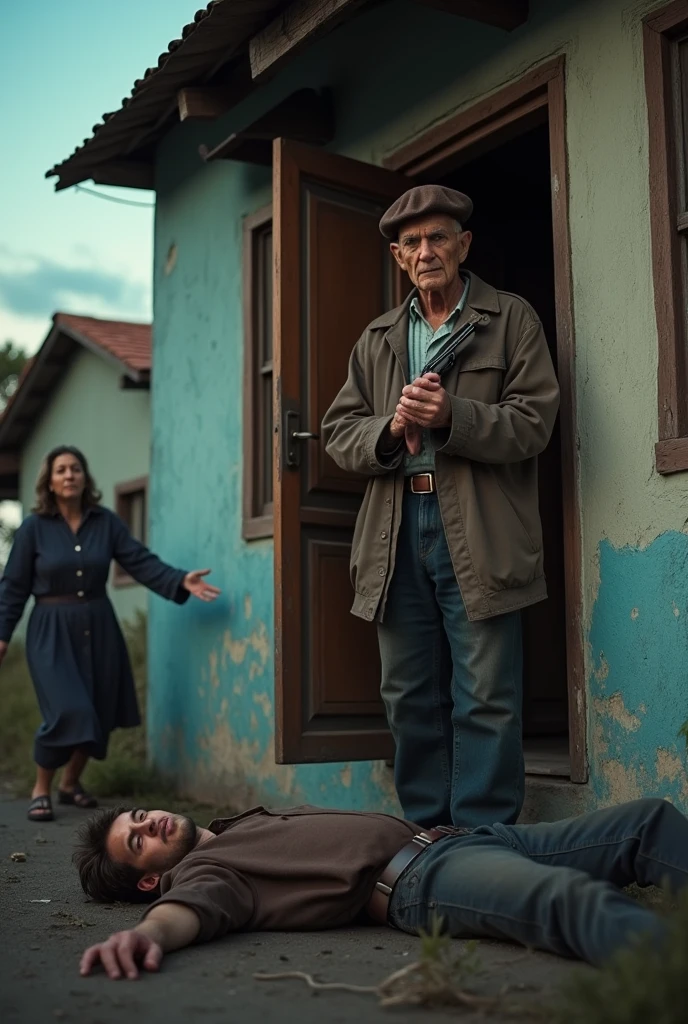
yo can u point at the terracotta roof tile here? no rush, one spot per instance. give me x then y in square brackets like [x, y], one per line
[128, 342]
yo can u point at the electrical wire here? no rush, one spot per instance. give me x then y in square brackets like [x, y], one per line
[114, 199]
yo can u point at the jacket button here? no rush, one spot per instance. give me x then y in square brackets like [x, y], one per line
[382, 572]
[79, 593]
[78, 547]
[388, 501]
[79, 572]
[383, 535]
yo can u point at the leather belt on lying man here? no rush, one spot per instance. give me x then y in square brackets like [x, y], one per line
[378, 904]
[420, 483]
[80, 597]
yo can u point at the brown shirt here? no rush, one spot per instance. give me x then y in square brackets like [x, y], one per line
[302, 868]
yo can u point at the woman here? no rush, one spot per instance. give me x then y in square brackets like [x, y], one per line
[74, 646]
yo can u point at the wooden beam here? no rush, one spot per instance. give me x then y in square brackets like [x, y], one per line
[305, 116]
[205, 103]
[302, 22]
[506, 14]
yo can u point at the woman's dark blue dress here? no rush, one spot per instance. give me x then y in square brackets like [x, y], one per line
[76, 652]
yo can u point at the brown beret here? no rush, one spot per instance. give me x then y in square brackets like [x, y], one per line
[422, 200]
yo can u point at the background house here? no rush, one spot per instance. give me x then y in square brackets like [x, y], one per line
[564, 121]
[88, 385]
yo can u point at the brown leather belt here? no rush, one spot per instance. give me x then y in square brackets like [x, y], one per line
[378, 904]
[420, 483]
[79, 598]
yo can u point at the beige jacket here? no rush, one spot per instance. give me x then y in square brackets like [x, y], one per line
[504, 397]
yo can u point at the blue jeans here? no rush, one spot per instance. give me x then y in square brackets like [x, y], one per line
[452, 688]
[552, 886]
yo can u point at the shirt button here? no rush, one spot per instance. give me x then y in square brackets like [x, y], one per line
[382, 572]
[383, 535]
[78, 547]
[80, 593]
[388, 501]
[79, 572]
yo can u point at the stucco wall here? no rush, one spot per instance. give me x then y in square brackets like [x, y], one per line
[112, 428]
[212, 701]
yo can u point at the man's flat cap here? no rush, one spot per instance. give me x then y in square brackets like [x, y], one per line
[422, 200]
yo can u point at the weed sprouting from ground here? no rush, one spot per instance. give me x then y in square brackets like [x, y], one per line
[646, 982]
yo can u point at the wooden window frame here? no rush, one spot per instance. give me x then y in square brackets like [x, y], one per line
[121, 578]
[668, 225]
[437, 152]
[257, 522]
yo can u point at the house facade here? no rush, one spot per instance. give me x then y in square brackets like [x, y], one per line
[88, 386]
[563, 120]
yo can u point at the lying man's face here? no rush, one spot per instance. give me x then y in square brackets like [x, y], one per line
[150, 841]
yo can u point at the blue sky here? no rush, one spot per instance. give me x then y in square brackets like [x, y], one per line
[63, 65]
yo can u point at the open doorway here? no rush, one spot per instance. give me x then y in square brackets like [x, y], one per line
[513, 250]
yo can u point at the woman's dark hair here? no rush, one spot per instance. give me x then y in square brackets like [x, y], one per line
[102, 878]
[45, 499]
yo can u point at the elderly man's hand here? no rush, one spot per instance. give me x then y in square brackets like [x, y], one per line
[120, 953]
[425, 403]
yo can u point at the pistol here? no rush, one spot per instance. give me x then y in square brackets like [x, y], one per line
[446, 357]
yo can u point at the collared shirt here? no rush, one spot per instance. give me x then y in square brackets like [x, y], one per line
[423, 344]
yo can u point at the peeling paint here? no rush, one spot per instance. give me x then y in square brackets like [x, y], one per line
[248, 607]
[602, 671]
[264, 702]
[214, 677]
[622, 782]
[345, 776]
[613, 707]
[634, 613]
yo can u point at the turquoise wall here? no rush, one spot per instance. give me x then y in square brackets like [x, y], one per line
[212, 691]
[110, 425]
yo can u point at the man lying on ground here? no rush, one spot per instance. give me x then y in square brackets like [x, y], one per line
[553, 886]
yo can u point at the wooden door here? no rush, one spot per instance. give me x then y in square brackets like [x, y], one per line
[333, 275]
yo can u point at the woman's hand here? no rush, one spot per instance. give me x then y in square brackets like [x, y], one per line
[3, 650]
[194, 583]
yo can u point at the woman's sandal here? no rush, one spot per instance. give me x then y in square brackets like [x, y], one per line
[77, 796]
[41, 809]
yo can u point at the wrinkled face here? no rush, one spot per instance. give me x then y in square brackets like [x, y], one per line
[431, 250]
[151, 841]
[67, 477]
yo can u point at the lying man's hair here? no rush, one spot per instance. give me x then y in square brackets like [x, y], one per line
[102, 878]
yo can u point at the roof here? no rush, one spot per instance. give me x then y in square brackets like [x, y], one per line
[129, 343]
[125, 345]
[207, 43]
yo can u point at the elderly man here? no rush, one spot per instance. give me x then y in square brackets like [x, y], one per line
[552, 886]
[448, 542]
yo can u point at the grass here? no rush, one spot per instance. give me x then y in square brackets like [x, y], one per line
[125, 775]
[646, 982]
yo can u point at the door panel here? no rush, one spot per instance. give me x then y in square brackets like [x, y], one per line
[333, 275]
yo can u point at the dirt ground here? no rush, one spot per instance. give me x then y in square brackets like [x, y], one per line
[41, 944]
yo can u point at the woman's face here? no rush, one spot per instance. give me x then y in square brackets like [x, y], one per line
[67, 479]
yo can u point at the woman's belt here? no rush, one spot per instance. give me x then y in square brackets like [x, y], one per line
[378, 904]
[81, 597]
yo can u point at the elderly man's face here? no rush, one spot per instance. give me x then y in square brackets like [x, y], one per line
[431, 250]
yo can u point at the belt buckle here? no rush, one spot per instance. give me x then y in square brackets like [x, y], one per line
[419, 476]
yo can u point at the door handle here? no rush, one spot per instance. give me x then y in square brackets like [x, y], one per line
[292, 436]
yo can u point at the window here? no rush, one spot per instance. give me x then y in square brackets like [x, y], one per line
[131, 505]
[666, 84]
[258, 424]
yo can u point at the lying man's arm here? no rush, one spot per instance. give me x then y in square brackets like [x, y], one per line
[166, 927]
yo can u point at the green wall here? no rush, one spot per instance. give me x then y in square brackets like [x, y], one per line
[110, 425]
[395, 71]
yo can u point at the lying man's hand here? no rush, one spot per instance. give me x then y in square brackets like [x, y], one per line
[121, 952]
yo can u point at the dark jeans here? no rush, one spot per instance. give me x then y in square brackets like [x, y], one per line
[552, 886]
[452, 688]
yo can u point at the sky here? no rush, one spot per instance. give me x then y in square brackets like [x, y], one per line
[63, 65]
